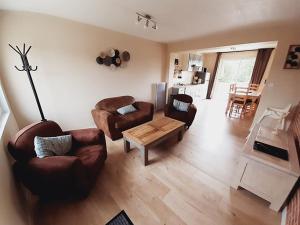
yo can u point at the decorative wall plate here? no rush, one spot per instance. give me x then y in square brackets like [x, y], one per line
[99, 60]
[293, 58]
[126, 56]
[107, 61]
[113, 58]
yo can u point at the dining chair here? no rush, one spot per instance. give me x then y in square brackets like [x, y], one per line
[253, 87]
[232, 88]
[235, 91]
[250, 105]
[241, 90]
[238, 105]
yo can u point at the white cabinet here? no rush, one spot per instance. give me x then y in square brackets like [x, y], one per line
[185, 60]
[269, 177]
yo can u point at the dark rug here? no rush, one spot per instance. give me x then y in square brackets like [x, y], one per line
[120, 219]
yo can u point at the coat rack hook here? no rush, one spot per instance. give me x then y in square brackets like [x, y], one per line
[35, 69]
[23, 48]
[19, 50]
[14, 49]
[19, 69]
[27, 50]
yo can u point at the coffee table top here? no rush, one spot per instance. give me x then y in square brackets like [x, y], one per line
[149, 132]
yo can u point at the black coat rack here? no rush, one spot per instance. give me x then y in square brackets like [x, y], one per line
[28, 69]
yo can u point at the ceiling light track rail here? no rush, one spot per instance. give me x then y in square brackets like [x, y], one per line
[147, 20]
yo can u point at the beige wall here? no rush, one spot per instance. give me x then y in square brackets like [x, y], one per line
[12, 204]
[69, 81]
[282, 85]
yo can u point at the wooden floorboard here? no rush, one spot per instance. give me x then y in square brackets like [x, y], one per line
[185, 183]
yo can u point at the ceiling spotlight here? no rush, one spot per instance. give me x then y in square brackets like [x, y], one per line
[139, 18]
[146, 24]
[147, 19]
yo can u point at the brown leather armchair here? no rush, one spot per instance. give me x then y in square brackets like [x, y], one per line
[112, 123]
[187, 117]
[58, 176]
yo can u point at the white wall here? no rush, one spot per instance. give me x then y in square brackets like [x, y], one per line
[69, 81]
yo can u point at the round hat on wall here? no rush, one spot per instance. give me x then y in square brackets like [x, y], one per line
[111, 52]
[99, 60]
[113, 58]
[117, 61]
[107, 61]
[126, 56]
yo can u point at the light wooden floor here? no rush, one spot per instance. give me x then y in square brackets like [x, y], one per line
[185, 183]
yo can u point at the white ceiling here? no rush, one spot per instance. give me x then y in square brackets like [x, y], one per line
[177, 19]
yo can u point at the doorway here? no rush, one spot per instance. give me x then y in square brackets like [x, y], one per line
[216, 137]
[233, 68]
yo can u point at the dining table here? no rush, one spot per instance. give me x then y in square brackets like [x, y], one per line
[254, 96]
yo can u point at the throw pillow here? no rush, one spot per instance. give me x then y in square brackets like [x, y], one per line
[126, 109]
[181, 106]
[50, 146]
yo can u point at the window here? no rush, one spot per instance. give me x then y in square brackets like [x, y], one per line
[236, 67]
[194, 60]
[4, 110]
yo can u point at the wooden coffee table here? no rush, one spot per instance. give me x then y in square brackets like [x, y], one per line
[152, 133]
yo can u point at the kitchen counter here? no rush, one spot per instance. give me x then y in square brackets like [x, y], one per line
[194, 90]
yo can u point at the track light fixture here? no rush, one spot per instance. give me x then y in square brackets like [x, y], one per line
[147, 19]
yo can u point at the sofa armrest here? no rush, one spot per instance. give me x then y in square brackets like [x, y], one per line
[104, 120]
[90, 136]
[145, 106]
[168, 109]
[192, 110]
[53, 175]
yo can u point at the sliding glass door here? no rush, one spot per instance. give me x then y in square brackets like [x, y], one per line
[234, 67]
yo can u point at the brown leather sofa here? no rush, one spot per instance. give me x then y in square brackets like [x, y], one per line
[187, 117]
[58, 176]
[112, 123]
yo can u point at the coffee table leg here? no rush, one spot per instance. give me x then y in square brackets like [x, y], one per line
[180, 135]
[126, 145]
[144, 154]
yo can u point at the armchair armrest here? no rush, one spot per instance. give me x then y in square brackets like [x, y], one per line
[52, 165]
[52, 174]
[145, 106]
[192, 110]
[90, 136]
[104, 120]
[168, 109]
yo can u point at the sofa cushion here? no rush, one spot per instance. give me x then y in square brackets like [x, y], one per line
[126, 109]
[181, 106]
[112, 104]
[124, 122]
[50, 146]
